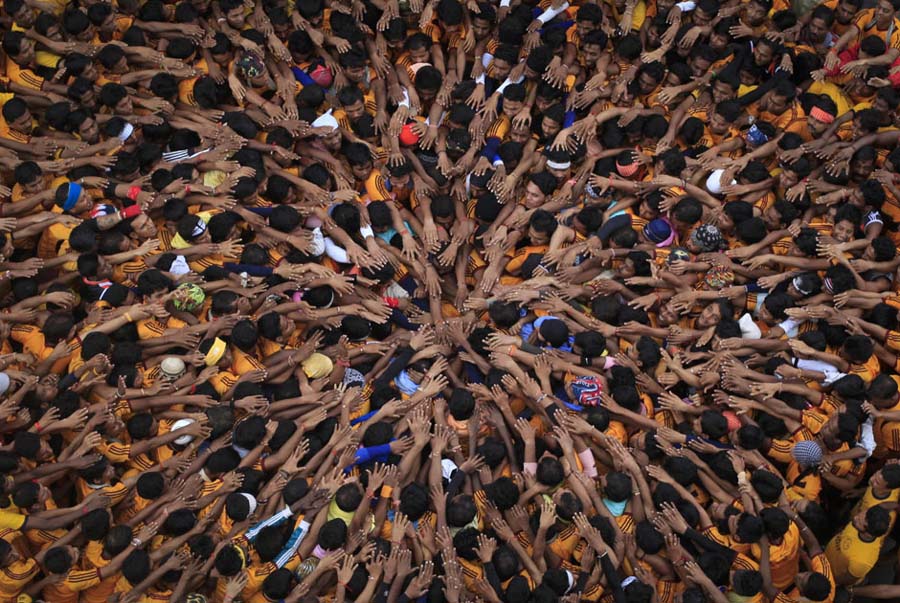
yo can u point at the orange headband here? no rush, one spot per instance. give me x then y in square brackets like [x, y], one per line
[821, 115]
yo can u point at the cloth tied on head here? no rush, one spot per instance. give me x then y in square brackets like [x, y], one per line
[755, 136]
[126, 132]
[807, 452]
[718, 277]
[250, 65]
[216, 351]
[821, 115]
[556, 165]
[251, 500]
[627, 170]
[800, 285]
[317, 365]
[199, 228]
[73, 196]
[326, 120]
[587, 390]
[660, 232]
[707, 237]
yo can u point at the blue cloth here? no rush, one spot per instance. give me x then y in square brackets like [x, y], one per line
[302, 77]
[528, 329]
[491, 146]
[292, 545]
[754, 287]
[274, 520]
[615, 508]
[72, 197]
[405, 383]
[378, 454]
[363, 418]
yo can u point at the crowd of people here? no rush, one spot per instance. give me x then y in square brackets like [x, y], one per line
[386, 301]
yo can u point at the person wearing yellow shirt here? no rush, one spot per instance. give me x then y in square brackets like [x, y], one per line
[15, 571]
[884, 407]
[854, 551]
[65, 561]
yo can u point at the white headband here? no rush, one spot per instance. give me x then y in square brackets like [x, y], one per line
[199, 228]
[251, 500]
[126, 132]
[559, 166]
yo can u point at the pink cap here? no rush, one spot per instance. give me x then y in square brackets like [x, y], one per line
[408, 137]
[322, 76]
[733, 422]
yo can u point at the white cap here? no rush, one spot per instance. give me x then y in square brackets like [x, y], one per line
[326, 120]
[749, 329]
[172, 367]
[181, 424]
[179, 266]
[4, 383]
[448, 468]
[714, 182]
[318, 242]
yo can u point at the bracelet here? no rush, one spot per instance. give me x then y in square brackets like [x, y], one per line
[370, 494]
[128, 317]
[131, 211]
[511, 350]
[342, 362]
[540, 398]
[37, 425]
[136, 542]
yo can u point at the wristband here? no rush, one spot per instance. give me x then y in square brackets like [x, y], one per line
[392, 302]
[136, 542]
[131, 211]
[386, 491]
[37, 425]
[343, 363]
[133, 192]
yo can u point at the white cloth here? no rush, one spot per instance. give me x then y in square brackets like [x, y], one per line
[749, 328]
[831, 372]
